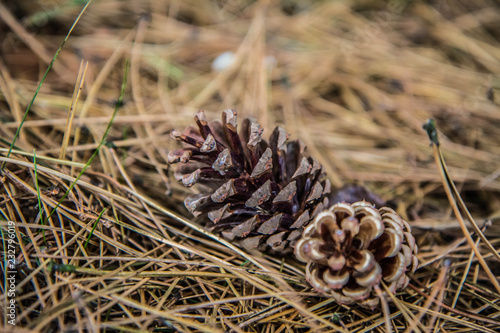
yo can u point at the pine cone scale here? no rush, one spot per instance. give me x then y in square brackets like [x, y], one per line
[219, 214]
[201, 121]
[301, 220]
[261, 195]
[363, 261]
[286, 194]
[229, 123]
[271, 225]
[243, 229]
[393, 267]
[209, 145]
[370, 277]
[264, 165]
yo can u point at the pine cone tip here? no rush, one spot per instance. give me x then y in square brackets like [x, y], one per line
[256, 192]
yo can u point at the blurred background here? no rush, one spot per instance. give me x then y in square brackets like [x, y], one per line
[355, 80]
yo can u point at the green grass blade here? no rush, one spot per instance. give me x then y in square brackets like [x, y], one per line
[43, 79]
[93, 227]
[118, 105]
[40, 212]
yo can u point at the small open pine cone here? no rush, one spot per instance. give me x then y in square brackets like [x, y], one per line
[350, 248]
[256, 193]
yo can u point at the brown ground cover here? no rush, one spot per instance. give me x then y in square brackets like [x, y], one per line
[104, 242]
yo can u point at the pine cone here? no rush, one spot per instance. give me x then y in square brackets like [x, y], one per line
[349, 249]
[256, 193]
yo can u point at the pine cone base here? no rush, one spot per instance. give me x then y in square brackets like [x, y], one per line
[349, 249]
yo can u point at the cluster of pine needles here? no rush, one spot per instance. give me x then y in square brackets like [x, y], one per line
[88, 96]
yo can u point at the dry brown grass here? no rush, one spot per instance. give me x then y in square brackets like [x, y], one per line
[355, 80]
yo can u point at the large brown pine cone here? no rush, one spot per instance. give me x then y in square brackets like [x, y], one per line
[349, 249]
[256, 193]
